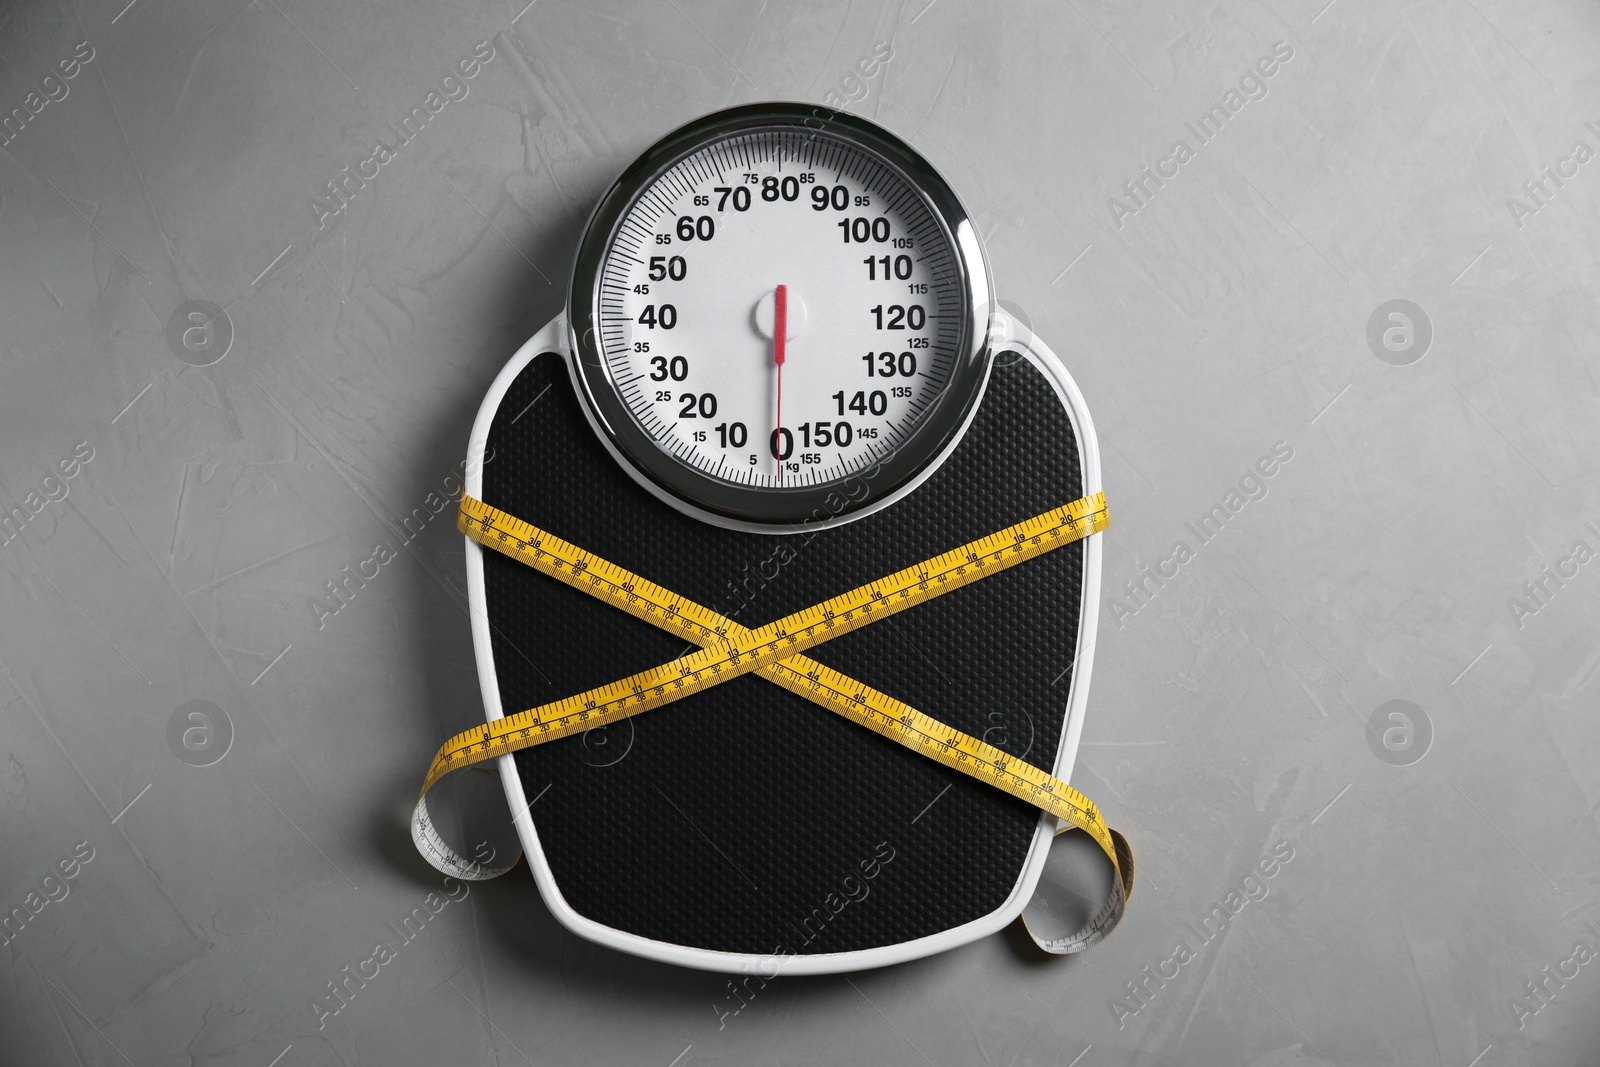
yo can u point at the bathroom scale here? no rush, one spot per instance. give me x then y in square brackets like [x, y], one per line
[783, 553]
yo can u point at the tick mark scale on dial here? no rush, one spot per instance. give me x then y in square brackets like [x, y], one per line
[769, 159]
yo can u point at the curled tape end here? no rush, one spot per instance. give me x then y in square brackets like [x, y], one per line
[1106, 919]
[442, 857]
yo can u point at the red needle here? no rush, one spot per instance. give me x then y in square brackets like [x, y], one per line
[780, 330]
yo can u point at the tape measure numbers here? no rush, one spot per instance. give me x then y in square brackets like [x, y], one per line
[728, 650]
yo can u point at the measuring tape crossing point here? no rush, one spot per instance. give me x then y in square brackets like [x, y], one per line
[729, 649]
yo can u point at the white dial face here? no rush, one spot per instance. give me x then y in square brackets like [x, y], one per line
[773, 226]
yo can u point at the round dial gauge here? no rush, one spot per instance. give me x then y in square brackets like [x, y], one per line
[776, 316]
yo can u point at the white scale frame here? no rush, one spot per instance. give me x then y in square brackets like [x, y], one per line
[554, 337]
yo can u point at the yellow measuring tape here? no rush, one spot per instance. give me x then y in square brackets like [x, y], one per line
[728, 649]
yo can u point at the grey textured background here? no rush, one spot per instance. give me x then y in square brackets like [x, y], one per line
[1230, 706]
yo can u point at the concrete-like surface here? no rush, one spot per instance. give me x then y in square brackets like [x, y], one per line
[1431, 911]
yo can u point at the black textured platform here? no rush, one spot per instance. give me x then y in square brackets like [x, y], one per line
[732, 819]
